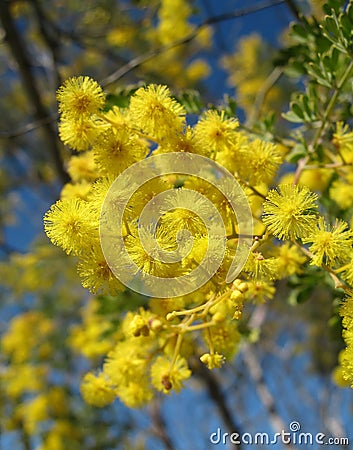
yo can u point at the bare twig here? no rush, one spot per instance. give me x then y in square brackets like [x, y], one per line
[219, 39]
[294, 9]
[333, 274]
[7, 249]
[272, 78]
[29, 127]
[53, 29]
[26, 441]
[50, 38]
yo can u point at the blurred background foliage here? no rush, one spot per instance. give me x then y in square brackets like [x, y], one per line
[208, 55]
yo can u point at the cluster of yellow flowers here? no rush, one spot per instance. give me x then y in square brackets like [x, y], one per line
[154, 345]
[343, 374]
[169, 21]
[174, 24]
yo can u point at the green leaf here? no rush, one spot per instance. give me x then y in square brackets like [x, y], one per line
[319, 75]
[295, 69]
[300, 295]
[330, 26]
[334, 58]
[307, 109]
[121, 97]
[191, 101]
[297, 109]
[332, 5]
[346, 25]
[337, 30]
[230, 107]
[298, 152]
[299, 33]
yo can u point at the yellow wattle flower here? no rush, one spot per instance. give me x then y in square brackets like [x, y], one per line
[290, 211]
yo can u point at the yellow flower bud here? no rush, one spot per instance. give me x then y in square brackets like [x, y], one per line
[219, 317]
[212, 361]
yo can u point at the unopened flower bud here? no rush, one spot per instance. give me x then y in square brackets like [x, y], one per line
[243, 287]
[139, 326]
[219, 317]
[236, 296]
[155, 324]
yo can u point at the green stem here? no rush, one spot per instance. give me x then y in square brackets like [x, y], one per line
[331, 103]
[302, 162]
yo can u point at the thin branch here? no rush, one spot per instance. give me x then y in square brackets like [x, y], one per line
[217, 396]
[7, 249]
[77, 39]
[20, 54]
[29, 127]
[331, 104]
[50, 39]
[336, 165]
[255, 191]
[219, 39]
[329, 108]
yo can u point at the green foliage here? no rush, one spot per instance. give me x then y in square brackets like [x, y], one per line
[304, 107]
[337, 28]
[302, 286]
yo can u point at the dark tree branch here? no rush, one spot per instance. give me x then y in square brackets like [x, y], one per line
[219, 39]
[26, 441]
[160, 425]
[294, 9]
[50, 38]
[54, 35]
[256, 373]
[20, 54]
[241, 13]
[7, 249]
